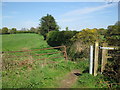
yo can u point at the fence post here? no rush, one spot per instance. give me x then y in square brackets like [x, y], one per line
[96, 58]
[104, 57]
[65, 53]
[91, 60]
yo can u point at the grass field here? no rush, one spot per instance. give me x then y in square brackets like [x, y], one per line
[38, 73]
[35, 74]
[14, 42]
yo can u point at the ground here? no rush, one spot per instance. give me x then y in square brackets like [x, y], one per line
[70, 79]
[36, 75]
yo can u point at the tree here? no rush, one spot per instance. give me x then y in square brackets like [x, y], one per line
[38, 30]
[13, 31]
[113, 34]
[47, 23]
[66, 28]
[4, 30]
[32, 29]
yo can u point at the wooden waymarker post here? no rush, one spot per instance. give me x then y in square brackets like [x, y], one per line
[104, 57]
[96, 58]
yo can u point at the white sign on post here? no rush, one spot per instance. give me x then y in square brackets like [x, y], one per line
[107, 48]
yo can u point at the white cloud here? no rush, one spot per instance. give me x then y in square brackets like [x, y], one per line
[84, 15]
[87, 10]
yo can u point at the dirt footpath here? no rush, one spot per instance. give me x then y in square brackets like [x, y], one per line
[70, 79]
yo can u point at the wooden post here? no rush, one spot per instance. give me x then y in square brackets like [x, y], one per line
[65, 53]
[91, 60]
[104, 57]
[96, 58]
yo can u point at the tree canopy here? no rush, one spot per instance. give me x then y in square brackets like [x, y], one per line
[4, 30]
[48, 23]
[113, 34]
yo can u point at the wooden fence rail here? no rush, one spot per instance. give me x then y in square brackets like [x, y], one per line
[34, 49]
[63, 51]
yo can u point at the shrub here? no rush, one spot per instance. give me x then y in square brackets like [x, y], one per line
[13, 31]
[57, 38]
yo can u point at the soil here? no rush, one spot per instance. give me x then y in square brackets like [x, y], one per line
[70, 79]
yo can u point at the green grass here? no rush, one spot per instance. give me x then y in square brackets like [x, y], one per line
[36, 74]
[37, 77]
[89, 81]
[14, 42]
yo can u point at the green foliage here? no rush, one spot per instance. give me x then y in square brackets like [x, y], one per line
[47, 23]
[32, 75]
[36, 78]
[112, 69]
[35, 75]
[13, 31]
[20, 31]
[87, 80]
[66, 28]
[4, 30]
[113, 34]
[82, 40]
[83, 64]
[88, 36]
[32, 29]
[57, 38]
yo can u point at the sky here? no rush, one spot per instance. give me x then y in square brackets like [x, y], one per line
[74, 15]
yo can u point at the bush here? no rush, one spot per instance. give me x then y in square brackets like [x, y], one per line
[57, 38]
[24, 31]
[112, 69]
[13, 31]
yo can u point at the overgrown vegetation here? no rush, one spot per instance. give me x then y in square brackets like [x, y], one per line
[112, 69]
[39, 74]
[78, 45]
[30, 72]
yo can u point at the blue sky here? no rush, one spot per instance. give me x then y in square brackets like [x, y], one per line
[75, 15]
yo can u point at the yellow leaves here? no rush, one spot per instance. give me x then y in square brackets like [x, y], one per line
[90, 30]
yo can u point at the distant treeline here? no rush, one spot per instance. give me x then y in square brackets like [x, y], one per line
[5, 30]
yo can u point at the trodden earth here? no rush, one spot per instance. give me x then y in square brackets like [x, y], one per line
[70, 79]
